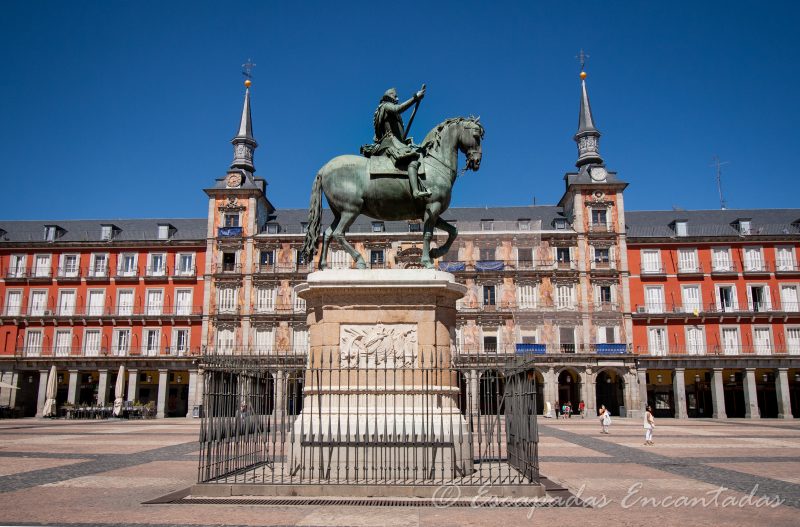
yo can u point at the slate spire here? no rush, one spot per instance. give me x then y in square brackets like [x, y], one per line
[244, 144]
[587, 137]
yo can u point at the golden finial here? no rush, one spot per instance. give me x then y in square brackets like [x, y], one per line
[247, 83]
[583, 75]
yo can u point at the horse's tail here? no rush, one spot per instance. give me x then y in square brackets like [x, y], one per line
[314, 219]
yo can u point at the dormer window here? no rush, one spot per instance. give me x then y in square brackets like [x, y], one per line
[304, 227]
[163, 231]
[744, 226]
[50, 233]
[272, 228]
[524, 224]
[106, 232]
[560, 224]
[681, 228]
[378, 226]
[487, 224]
[414, 227]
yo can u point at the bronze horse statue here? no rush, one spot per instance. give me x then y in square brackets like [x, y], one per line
[352, 191]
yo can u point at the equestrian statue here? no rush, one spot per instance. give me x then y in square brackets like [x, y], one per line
[386, 181]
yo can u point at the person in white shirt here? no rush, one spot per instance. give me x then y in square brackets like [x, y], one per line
[649, 425]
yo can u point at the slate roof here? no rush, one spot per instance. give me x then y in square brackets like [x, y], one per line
[89, 230]
[708, 223]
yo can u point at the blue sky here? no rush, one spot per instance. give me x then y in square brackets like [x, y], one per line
[126, 109]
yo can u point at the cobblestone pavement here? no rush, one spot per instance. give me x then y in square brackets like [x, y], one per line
[99, 473]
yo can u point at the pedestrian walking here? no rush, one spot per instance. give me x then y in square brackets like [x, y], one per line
[605, 419]
[649, 425]
[557, 406]
[582, 409]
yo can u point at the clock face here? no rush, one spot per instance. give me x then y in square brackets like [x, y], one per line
[233, 180]
[598, 173]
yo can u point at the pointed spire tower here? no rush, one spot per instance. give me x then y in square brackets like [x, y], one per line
[244, 144]
[587, 137]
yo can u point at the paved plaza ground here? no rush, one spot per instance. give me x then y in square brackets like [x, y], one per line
[102, 472]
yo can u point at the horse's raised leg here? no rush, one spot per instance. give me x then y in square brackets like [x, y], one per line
[431, 215]
[326, 241]
[452, 232]
[347, 219]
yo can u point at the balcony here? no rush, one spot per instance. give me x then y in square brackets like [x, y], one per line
[265, 350]
[531, 349]
[277, 268]
[756, 269]
[655, 271]
[67, 352]
[68, 274]
[606, 307]
[224, 269]
[724, 269]
[600, 227]
[96, 274]
[14, 274]
[690, 270]
[155, 272]
[786, 269]
[184, 274]
[127, 275]
[716, 350]
[611, 349]
[229, 232]
[40, 274]
[603, 266]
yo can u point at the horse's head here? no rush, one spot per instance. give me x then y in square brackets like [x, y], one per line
[469, 142]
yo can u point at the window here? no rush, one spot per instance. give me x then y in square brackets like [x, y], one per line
[41, 266]
[227, 299]
[33, 343]
[657, 341]
[560, 224]
[762, 340]
[526, 296]
[184, 263]
[599, 218]
[721, 259]
[98, 265]
[163, 232]
[121, 343]
[525, 256]
[695, 340]
[790, 300]
[414, 227]
[66, 303]
[793, 341]
[602, 257]
[376, 257]
[692, 301]
[606, 334]
[263, 341]
[784, 258]
[183, 302]
[730, 341]
[272, 228]
[744, 226]
[62, 342]
[231, 220]
[378, 226]
[300, 258]
[487, 224]
[266, 258]
[125, 302]
[50, 233]
[488, 295]
[265, 299]
[300, 340]
[524, 224]
[225, 340]
[13, 303]
[16, 267]
[687, 261]
[38, 303]
[156, 265]
[567, 340]
[563, 255]
[339, 259]
[753, 260]
[651, 261]
[758, 298]
[154, 304]
[604, 295]
[229, 262]
[486, 254]
[564, 296]
[654, 299]
[106, 232]
[69, 265]
[726, 298]
[95, 302]
[180, 342]
[127, 264]
[150, 339]
[91, 342]
[490, 343]
[681, 228]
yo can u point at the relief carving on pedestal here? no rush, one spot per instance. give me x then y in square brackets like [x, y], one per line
[378, 345]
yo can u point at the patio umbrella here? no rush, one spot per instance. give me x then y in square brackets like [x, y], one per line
[119, 391]
[8, 386]
[50, 395]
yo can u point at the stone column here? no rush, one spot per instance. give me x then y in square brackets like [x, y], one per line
[163, 388]
[9, 397]
[750, 395]
[591, 393]
[474, 391]
[133, 385]
[42, 392]
[679, 387]
[280, 396]
[782, 391]
[718, 394]
[550, 388]
[191, 399]
[102, 387]
[72, 394]
[641, 377]
[633, 406]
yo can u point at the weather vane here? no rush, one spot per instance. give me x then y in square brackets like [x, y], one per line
[247, 69]
[581, 56]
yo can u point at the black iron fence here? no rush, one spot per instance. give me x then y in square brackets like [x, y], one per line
[389, 417]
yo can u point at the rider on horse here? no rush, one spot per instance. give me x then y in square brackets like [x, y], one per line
[390, 138]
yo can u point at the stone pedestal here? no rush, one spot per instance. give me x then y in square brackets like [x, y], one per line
[380, 398]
